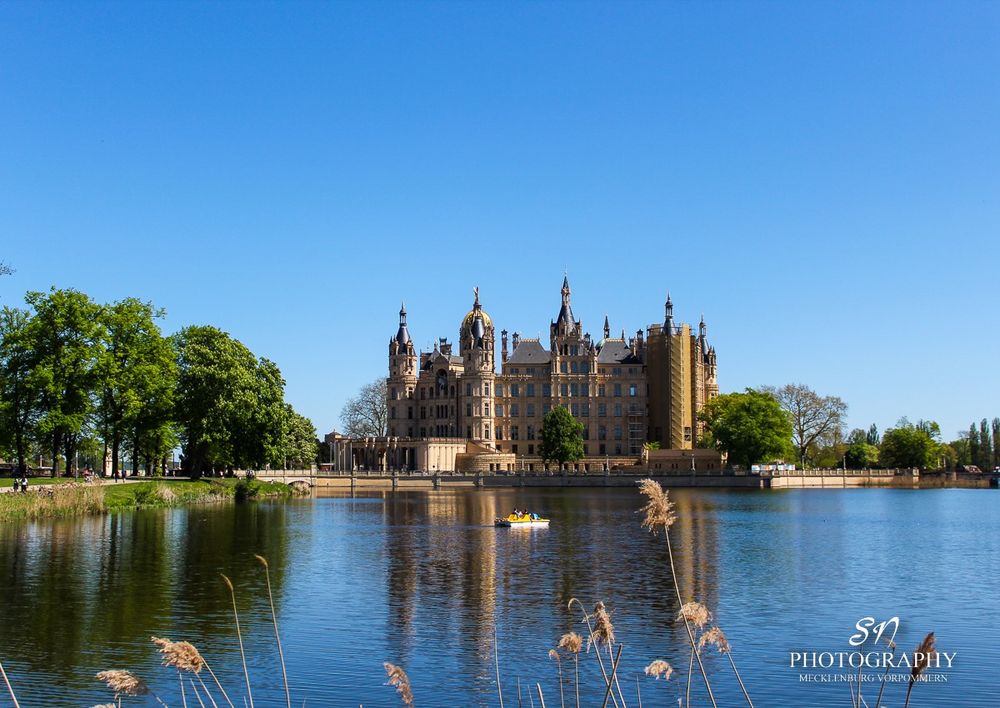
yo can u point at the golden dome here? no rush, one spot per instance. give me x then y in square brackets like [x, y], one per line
[467, 320]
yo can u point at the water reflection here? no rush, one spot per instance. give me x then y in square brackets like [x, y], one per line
[424, 579]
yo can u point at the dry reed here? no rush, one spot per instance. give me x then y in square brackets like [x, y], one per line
[590, 639]
[695, 613]
[274, 621]
[660, 669]
[239, 636]
[614, 673]
[553, 654]
[123, 683]
[10, 689]
[921, 660]
[399, 679]
[573, 643]
[658, 514]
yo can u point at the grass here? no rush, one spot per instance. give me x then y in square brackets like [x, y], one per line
[68, 500]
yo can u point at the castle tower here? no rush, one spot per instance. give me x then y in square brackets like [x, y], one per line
[402, 380]
[476, 398]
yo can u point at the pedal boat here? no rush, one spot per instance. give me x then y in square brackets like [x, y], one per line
[511, 521]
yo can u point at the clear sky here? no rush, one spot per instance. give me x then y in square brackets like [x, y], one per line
[821, 180]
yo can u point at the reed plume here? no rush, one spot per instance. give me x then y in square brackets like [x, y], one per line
[239, 636]
[604, 631]
[660, 669]
[123, 683]
[590, 639]
[659, 515]
[274, 621]
[553, 654]
[717, 638]
[573, 643]
[695, 613]
[184, 656]
[921, 660]
[399, 679]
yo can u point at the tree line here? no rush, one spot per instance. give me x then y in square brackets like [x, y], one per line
[80, 376]
[795, 423]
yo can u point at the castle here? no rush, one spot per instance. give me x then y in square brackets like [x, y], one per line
[626, 392]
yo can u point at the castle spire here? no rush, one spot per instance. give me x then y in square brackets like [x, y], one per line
[668, 323]
[607, 328]
[702, 328]
[402, 334]
[565, 319]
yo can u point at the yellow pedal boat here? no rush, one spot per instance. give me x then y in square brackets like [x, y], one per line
[523, 521]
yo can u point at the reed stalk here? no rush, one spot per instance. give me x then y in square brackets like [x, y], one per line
[519, 693]
[553, 654]
[219, 685]
[197, 693]
[274, 621]
[496, 663]
[207, 692]
[921, 660]
[239, 636]
[614, 671]
[10, 690]
[590, 639]
[687, 700]
[659, 514]
[885, 674]
[638, 692]
[573, 643]
[541, 698]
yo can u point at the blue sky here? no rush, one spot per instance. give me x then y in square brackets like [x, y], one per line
[821, 180]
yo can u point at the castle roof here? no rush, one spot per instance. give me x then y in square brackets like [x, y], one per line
[616, 351]
[529, 352]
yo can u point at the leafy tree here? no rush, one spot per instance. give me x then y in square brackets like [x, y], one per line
[750, 426]
[985, 460]
[229, 405]
[562, 437]
[960, 446]
[816, 420]
[20, 400]
[973, 444]
[5, 269]
[367, 413]
[137, 376]
[861, 455]
[909, 445]
[996, 442]
[300, 447]
[873, 437]
[65, 334]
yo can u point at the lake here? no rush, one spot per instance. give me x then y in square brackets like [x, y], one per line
[422, 579]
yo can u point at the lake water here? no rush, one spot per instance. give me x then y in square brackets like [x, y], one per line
[422, 579]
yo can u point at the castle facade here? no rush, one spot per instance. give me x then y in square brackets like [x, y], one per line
[649, 387]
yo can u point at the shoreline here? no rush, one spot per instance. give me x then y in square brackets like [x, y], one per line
[70, 499]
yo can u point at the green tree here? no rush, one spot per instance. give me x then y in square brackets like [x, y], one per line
[229, 404]
[996, 442]
[909, 445]
[562, 436]
[817, 421]
[137, 375]
[861, 455]
[20, 400]
[873, 437]
[750, 426]
[985, 461]
[300, 447]
[65, 334]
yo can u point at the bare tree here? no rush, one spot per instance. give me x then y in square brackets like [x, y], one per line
[367, 413]
[5, 269]
[815, 419]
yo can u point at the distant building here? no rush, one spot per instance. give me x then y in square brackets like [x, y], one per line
[626, 391]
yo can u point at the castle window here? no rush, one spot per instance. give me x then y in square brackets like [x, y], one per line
[546, 408]
[423, 393]
[584, 367]
[547, 390]
[632, 390]
[618, 448]
[486, 432]
[395, 394]
[618, 390]
[515, 370]
[586, 432]
[531, 432]
[392, 412]
[584, 389]
[453, 389]
[575, 409]
[602, 432]
[585, 409]
[515, 390]
[531, 410]
[514, 433]
[499, 415]
[563, 389]
[423, 412]
[468, 410]
[486, 389]
[423, 432]
[618, 410]
[574, 367]
[602, 410]
[513, 448]
[468, 389]
[409, 412]
[468, 432]
[530, 390]
[687, 434]
[574, 350]
[499, 433]
[531, 449]
[515, 410]
[618, 433]
[563, 367]
[530, 371]
[600, 390]
[574, 390]
[602, 449]
[486, 409]
[499, 390]
[616, 371]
